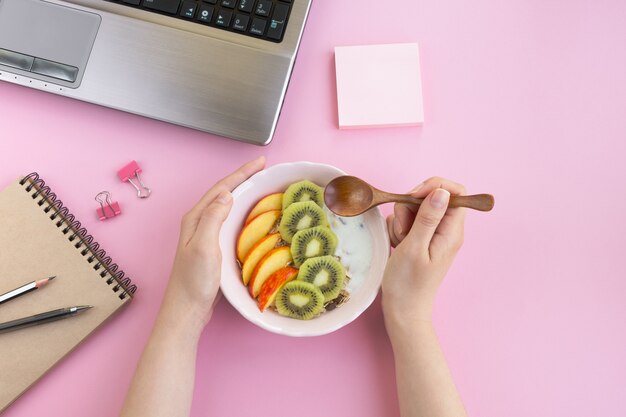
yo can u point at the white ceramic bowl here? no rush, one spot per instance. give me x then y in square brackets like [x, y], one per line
[362, 292]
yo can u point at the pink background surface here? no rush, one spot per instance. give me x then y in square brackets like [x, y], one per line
[523, 99]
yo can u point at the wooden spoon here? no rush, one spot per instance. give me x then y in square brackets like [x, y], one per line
[350, 196]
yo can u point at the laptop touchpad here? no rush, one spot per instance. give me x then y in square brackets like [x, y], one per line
[46, 41]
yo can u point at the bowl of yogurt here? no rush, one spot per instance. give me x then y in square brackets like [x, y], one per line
[363, 249]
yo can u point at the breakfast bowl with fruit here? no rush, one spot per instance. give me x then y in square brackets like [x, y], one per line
[290, 265]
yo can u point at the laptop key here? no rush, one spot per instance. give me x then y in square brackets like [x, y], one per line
[266, 19]
[277, 23]
[263, 7]
[241, 22]
[167, 6]
[258, 26]
[189, 9]
[223, 18]
[246, 5]
[205, 14]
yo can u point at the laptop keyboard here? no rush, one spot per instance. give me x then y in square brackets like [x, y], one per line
[265, 19]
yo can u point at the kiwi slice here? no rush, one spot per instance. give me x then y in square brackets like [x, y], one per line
[299, 216]
[299, 300]
[303, 191]
[309, 243]
[326, 273]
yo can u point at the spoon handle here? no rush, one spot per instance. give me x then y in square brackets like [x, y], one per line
[481, 202]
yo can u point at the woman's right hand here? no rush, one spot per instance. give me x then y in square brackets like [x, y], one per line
[426, 242]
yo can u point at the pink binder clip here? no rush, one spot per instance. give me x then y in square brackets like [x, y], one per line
[108, 208]
[130, 171]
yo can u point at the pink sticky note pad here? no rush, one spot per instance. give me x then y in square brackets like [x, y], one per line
[379, 85]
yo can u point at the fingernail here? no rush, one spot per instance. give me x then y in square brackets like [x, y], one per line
[397, 227]
[417, 187]
[224, 197]
[439, 199]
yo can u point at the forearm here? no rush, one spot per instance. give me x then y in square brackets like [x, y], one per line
[164, 379]
[425, 385]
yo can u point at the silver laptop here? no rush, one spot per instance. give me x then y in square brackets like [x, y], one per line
[220, 66]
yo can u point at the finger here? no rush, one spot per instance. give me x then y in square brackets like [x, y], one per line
[453, 218]
[405, 213]
[404, 216]
[449, 233]
[453, 221]
[449, 236]
[190, 220]
[210, 223]
[428, 217]
[433, 183]
[231, 181]
[392, 234]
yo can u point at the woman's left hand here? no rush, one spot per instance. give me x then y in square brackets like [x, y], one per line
[194, 283]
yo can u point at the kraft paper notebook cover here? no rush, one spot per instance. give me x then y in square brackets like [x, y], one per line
[39, 237]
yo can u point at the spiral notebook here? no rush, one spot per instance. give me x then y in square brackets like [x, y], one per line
[39, 237]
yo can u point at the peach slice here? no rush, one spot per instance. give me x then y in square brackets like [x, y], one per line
[270, 287]
[272, 262]
[254, 231]
[258, 251]
[267, 203]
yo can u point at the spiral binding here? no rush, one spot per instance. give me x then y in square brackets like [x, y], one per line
[79, 233]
